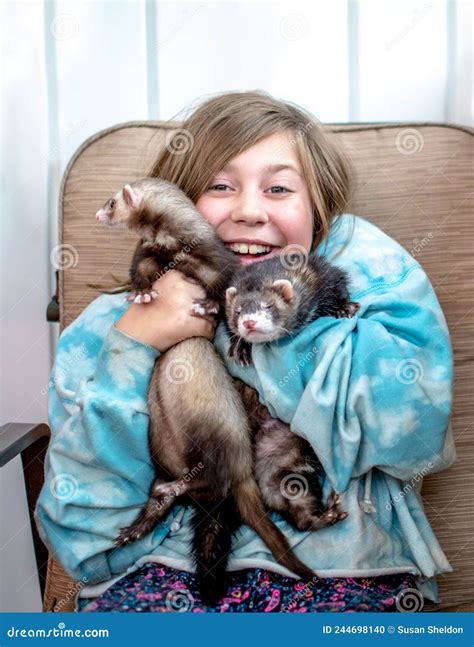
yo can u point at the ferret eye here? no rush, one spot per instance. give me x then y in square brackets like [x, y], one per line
[266, 306]
[112, 203]
[238, 310]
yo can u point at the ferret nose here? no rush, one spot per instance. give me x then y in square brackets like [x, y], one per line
[97, 215]
[250, 324]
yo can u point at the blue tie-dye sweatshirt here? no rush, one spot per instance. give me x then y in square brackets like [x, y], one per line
[371, 394]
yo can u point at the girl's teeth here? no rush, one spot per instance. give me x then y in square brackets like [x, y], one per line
[243, 248]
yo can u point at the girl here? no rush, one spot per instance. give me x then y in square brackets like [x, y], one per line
[371, 394]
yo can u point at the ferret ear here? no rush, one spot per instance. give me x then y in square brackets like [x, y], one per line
[230, 294]
[130, 196]
[284, 288]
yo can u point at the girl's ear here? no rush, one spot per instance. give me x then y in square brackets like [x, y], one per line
[284, 288]
[230, 294]
[130, 196]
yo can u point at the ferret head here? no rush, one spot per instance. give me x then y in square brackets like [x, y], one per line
[261, 315]
[118, 211]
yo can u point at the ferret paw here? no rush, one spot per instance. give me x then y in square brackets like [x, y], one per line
[348, 310]
[126, 536]
[333, 512]
[202, 307]
[129, 534]
[241, 352]
[142, 296]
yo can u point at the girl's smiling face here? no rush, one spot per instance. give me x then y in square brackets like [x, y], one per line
[260, 197]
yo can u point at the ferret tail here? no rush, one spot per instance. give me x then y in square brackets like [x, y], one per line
[253, 513]
[213, 525]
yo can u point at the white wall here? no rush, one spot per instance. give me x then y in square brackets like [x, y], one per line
[73, 68]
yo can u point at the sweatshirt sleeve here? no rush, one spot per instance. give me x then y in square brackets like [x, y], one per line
[372, 391]
[98, 470]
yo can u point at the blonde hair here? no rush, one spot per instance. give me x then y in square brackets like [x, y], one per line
[229, 123]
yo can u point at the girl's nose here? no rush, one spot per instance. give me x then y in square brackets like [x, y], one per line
[249, 210]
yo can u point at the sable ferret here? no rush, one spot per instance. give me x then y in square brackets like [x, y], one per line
[190, 427]
[268, 300]
[275, 297]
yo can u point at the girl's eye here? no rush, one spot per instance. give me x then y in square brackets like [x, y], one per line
[280, 189]
[218, 187]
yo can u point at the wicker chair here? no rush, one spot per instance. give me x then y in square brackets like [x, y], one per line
[413, 180]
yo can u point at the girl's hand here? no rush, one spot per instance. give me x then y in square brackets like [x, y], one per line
[167, 320]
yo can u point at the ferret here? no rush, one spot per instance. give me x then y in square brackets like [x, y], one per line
[198, 424]
[277, 297]
[268, 300]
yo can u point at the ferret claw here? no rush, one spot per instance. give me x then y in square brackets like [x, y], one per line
[142, 296]
[202, 307]
[334, 513]
[127, 536]
[240, 351]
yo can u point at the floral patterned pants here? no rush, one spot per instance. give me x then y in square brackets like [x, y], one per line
[162, 589]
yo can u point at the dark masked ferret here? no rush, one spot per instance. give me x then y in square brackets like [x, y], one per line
[277, 296]
[198, 425]
[269, 300]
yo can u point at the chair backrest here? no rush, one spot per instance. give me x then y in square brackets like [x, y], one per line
[414, 181]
